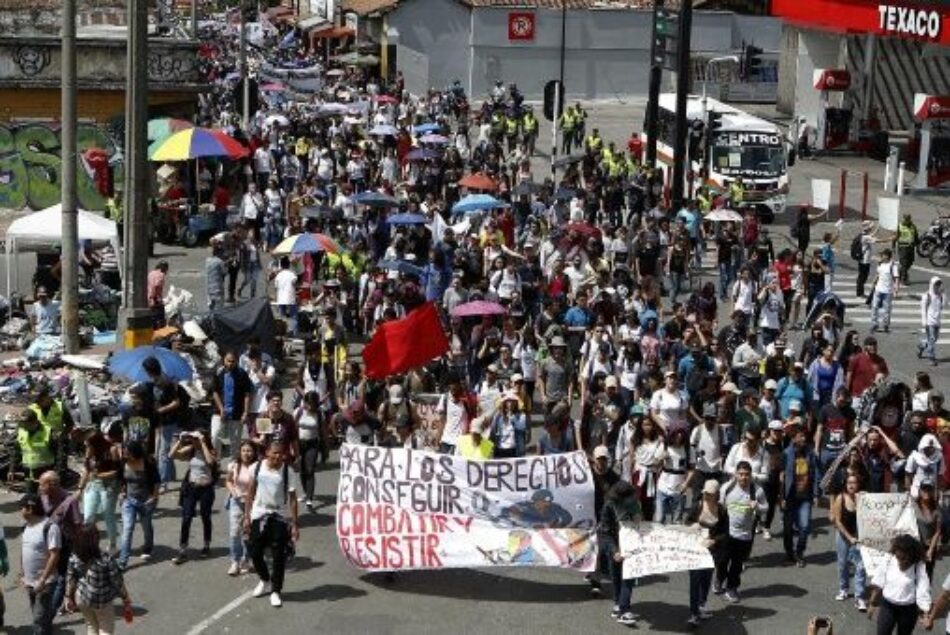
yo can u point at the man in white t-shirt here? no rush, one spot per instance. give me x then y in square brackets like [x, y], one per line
[266, 520]
[454, 415]
[285, 283]
[886, 286]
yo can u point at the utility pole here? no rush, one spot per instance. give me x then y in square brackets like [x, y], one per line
[194, 19]
[242, 61]
[680, 165]
[70, 230]
[653, 101]
[137, 319]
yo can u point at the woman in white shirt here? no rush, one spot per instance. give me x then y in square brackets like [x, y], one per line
[308, 419]
[668, 405]
[900, 588]
[743, 293]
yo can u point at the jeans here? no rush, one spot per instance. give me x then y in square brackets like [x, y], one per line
[622, 589]
[729, 568]
[41, 606]
[251, 273]
[196, 499]
[797, 517]
[274, 532]
[677, 280]
[929, 349]
[849, 555]
[699, 581]
[100, 498]
[164, 438]
[881, 305]
[725, 279]
[825, 459]
[237, 545]
[669, 507]
[131, 510]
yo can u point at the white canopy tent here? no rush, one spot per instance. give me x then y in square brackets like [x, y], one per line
[45, 228]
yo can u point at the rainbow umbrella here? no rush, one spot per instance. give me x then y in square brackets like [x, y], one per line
[307, 243]
[196, 143]
[161, 128]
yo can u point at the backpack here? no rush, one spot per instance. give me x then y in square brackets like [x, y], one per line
[857, 249]
[285, 474]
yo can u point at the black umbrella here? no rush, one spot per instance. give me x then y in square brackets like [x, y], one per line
[570, 159]
[326, 213]
[527, 188]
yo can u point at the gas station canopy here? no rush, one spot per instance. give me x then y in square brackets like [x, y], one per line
[910, 19]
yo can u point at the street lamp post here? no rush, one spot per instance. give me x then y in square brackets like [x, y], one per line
[70, 228]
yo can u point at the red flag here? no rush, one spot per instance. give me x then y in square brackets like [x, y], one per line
[402, 344]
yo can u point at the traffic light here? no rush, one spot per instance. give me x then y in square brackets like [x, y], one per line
[666, 24]
[695, 140]
[715, 121]
[753, 60]
[665, 37]
[551, 91]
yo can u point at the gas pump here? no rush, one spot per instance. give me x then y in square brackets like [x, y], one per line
[933, 163]
[834, 124]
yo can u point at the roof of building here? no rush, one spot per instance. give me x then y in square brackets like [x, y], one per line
[571, 4]
[368, 7]
[12, 5]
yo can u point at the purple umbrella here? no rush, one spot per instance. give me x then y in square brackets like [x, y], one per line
[422, 154]
[477, 308]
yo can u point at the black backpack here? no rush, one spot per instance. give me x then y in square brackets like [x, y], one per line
[857, 249]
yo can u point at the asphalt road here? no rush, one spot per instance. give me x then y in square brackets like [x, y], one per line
[324, 594]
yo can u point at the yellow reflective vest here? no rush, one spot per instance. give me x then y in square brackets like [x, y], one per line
[53, 419]
[34, 448]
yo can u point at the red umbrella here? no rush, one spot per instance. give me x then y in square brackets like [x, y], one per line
[584, 229]
[477, 308]
[479, 181]
[385, 99]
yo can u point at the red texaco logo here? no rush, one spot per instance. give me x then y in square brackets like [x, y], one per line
[520, 26]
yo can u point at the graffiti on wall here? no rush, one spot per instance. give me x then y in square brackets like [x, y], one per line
[31, 165]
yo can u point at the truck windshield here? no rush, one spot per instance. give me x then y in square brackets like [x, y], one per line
[749, 160]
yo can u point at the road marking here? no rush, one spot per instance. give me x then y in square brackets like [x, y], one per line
[203, 625]
[935, 272]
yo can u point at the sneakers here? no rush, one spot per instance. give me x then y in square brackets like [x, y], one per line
[309, 505]
[234, 569]
[704, 613]
[206, 551]
[693, 620]
[842, 596]
[145, 557]
[861, 605]
[275, 600]
[732, 596]
[180, 557]
[766, 534]
[615, 611]
[594, 586]
[246, 567]
[261, 589]
[800, 562]
[627, 619]
[718, 589]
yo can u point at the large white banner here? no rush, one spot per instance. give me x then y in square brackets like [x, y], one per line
[888, 212]
[881, 517]
[821, 194]
[652, 548]
[409, 509]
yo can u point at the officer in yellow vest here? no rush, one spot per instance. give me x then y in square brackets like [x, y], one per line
[906, 243]
[511, 132]
[704, 199]
[737, 192]
[632, 167]
[302, 150]
[594, 143]
[35, 452]
[497, 126]
[53, 416]
[567, 124]
[529, 130]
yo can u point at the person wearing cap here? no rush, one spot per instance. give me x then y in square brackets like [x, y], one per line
[35, 454]
[44, 314]
[490, 386]
[864, 367]
[556, 375]
[40, 546]
[800, 488]
[509, 428]
[867, 240]
[475, 446]
[745, 502]
[887, 286]
[768, 404]
[794, 389]
[396, 410]
[778, 360]
[713, 519]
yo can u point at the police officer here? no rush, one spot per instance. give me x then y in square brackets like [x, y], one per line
[529, 130]
[35, 453]
[736, 192]
[906, 242]
[568, 123]
[53, 416]
[511, 130]
[594, 143]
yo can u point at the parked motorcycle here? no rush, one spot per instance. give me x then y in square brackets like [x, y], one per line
[937, 233]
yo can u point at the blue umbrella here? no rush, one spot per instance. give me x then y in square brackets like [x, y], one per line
[434, 139]
[128, 364]
[374, 199]
[401, 266]
[426, 127]
[289, 41]
[422, 154]
[407, 219]
[384, 130]
[565, 193]
[477, 203]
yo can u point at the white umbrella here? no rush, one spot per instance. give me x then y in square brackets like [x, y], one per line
[724, 215]
[334, 72]
[280, 120]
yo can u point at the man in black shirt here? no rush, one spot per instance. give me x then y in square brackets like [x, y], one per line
[726, 247]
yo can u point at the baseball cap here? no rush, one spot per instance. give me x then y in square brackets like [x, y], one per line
[601, 452]
[776, 424]
[711, 486]
[771, 384]
[610, 382]
[730, 387]
[795, 404]
[396, 394]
